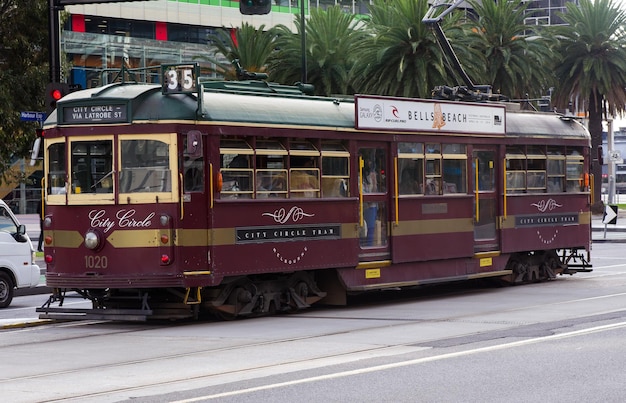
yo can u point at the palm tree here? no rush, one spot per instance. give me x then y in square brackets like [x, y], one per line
[251, 46]
[519, 60]
[330, 38]
[401, 55]
[592, 66]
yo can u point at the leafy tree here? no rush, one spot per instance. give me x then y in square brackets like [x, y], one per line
[401, 55]
[519, 60]
[592, 66]
[331, 36]
[23, 73]
[249, 45]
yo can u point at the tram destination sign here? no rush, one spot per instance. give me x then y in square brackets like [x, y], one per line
[107, 113]
[383, 113]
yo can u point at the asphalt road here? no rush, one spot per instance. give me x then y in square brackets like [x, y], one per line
[558, 341]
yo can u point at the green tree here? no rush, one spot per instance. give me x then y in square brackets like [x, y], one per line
[401, 55]
[330, 39]
[251, 46]
[592, 66]
[23, 73]
[519, 59]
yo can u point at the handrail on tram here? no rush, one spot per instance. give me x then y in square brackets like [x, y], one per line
[476, 194]
[361, 165]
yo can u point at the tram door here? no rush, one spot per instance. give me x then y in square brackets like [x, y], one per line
[485, 200]
[373, 204]
[193, 213]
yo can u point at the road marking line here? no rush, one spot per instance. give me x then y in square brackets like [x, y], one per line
[410, 362]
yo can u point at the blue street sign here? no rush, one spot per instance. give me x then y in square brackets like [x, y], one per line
[27, 116]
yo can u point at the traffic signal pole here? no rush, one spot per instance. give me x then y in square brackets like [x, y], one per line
[54, 57]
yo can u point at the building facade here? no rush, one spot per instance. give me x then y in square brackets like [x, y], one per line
[99, 38]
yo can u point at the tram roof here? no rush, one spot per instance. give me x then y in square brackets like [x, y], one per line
[146, 102]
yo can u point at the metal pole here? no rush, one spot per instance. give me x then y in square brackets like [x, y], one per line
[303, 41]
[611, 161]
[54, 57]
[23, 187]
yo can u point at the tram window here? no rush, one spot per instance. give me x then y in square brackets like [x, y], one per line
[574, 169]
[145, 166]
[411, 168]
[486, 171]
[335, 170]
[271, 169]
[236, 169]
[194, 175]
[193, 164]
[92, 167]
[433, 184]
[237, 176]
[454, 168]
[411, 176]
[536, 169]
[515, 170]
[374, 162]
[271, 183]
[304, 177]
[556, 169]
[56, 169]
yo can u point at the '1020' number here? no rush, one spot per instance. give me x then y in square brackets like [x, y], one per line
[96, 262]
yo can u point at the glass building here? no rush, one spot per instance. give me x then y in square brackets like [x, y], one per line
[140, 34]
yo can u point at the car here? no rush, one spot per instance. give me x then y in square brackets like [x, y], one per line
[17, 257]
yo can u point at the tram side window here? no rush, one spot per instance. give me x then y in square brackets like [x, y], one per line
[536, 169]
[411, 168]
[271, 170]
[556, 170]
[145, 166]
[454, 168]
[236, 168]
[433, 169]
[237, 176]
[193, 168]
[574, 170]
[335, 170]
[92, 167]
[515, 170]
[374, 162]
[304, 172]
[56, 169]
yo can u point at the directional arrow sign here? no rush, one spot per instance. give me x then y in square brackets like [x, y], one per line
[610, 215]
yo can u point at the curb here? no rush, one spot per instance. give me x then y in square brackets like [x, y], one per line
[26, 323]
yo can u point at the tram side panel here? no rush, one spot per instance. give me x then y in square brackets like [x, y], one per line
[546, 221]
[283, 235]
[433, 228]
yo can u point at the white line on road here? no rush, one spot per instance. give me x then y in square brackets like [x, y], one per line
[410, 362]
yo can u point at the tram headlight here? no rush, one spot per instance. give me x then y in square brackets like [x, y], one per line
[92, 240]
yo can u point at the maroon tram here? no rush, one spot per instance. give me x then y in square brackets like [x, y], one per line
[246, 198]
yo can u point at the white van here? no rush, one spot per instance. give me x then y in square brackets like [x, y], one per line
[17, 257]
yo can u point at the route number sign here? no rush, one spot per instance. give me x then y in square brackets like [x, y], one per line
[179, 78]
